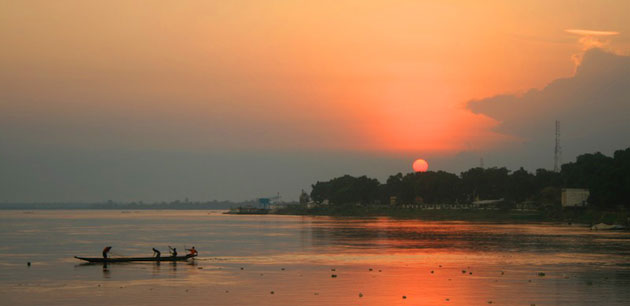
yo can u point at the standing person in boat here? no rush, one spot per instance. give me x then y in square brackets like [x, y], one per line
[156, 253]
[173, 251]
[106, 250]
[192, 251]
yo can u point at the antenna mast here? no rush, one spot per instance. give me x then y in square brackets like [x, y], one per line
[557, 153]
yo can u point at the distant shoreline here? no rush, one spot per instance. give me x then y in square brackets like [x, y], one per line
[120, 206]
[582, 216]
[571, 216]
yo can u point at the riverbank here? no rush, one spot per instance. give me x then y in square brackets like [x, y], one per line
[584, 216]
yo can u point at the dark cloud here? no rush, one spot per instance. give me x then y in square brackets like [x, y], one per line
[593, 108]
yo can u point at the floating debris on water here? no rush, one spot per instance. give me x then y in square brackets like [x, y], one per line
[404, 297]
[541, 274]
[463, 271]
[282, 269]
[333, 269]
[432, 272]
[28, 263]
[370, 269]
[360, 294]
[447, 299]
[334, 276]
[272, 292]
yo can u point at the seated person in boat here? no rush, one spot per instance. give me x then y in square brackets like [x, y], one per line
[173, 251]
[106, 250]
[156, 252]
[192, 251]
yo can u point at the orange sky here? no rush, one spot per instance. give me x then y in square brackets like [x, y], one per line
[388, 76]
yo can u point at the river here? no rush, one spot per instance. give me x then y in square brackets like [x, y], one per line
[303, 260]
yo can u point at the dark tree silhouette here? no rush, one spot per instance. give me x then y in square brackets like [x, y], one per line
[607, 178]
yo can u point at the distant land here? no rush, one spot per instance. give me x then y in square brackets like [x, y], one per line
[175, 205]
[492, 194]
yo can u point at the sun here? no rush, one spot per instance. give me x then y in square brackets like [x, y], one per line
[420, 165]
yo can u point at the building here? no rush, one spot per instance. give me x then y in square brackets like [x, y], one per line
[574, 197]
[488, 204]
[393, 200]
[444, 206]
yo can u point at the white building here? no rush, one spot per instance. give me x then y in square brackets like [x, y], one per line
[487, 204]
[574, 197]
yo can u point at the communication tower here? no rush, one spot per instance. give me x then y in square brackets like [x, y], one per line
[557, 153]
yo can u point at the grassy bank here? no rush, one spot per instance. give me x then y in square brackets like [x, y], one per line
[584, 216]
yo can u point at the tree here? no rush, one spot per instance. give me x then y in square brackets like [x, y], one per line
[304, 198]
[521, 186]
[346, 190]
[592, 171]
[483, 183]
[607, 178]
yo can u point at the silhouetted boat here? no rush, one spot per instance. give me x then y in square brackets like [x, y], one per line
[130, 259]
[608, 227]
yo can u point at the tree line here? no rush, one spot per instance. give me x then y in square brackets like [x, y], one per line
[607, 178]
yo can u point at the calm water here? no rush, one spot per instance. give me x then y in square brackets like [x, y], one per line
[243, 259]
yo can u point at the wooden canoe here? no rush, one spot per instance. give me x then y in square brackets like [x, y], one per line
[130, 259]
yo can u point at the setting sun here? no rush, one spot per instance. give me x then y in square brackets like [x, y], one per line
[420, 165]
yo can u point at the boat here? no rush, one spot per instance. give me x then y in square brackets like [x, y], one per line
[132, 259]
[609, 227]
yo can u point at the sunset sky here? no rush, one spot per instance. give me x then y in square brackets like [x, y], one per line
[160, 100]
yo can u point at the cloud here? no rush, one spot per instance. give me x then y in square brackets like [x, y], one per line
[590, 39]
[583, 32]
[593, 107]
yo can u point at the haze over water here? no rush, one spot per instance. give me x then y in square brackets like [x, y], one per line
[243, 259]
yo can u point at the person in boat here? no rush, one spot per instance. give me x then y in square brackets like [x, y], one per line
[106, 250]
[173, 251]
[192, 251]
[156, 252]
